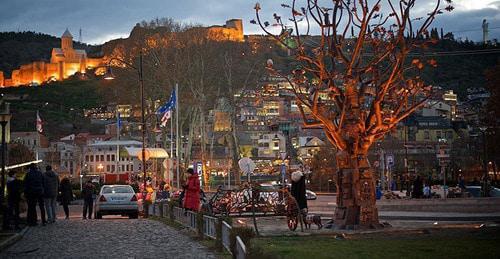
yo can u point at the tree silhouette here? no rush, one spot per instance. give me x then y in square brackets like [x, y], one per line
[357, 87]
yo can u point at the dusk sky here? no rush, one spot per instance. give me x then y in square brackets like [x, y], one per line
[102, 20]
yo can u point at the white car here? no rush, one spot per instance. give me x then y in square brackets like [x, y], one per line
[311, 195]
[117, 200]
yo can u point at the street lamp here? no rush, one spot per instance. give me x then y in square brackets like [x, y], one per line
[110, 76]
[485, 161]
[283, 167]
[4, 119]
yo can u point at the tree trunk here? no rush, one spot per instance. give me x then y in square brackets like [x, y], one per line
[356, 203]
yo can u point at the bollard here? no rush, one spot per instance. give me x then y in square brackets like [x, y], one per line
[160, 208]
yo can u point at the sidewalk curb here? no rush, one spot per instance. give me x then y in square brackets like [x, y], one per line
[471, 218]
[13, 239]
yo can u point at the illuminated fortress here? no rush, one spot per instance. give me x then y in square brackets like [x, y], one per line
[64, 62]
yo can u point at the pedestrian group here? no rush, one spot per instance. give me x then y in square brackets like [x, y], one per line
[40, 189]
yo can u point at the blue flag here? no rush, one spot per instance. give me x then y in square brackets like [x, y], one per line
[169, 106]
[118, 121]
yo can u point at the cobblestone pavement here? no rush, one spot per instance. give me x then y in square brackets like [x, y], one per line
[106, 238]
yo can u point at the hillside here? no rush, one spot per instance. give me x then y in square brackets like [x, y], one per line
[458, 71]
[17, 48]
[60, 105]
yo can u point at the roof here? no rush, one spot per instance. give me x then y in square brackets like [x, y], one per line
[149, 152]
[432, 122]
[67, 34]
[116, 143]
[80, 51]
[58, 51]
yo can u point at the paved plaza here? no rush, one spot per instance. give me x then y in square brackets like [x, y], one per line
[106, 238]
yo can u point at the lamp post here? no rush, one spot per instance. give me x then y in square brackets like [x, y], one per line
[485, 162]
[109, 76]
[4, 119]
[283, 167]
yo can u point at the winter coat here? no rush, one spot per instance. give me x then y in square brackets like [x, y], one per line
[14, 190]
[299, 189]
[88, 191]
[192, 193]
[418, 188]
[50, 184]
[33, 183]
[66, 191]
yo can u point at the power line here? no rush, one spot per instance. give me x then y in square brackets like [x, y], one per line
[493, 28]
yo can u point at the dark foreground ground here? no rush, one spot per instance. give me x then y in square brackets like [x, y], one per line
[456, 242]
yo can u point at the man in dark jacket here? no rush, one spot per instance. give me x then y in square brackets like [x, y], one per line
[14, 190]
[88, 199]
[33, 190]
[298, 190]
[66, 195]
[50, 191]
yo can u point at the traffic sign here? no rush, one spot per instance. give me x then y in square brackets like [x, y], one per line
[390, 159]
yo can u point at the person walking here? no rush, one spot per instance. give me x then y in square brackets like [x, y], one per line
[418, 188]
[50, 191]
[66, 195]
[192, 191]
[298, 190]
[14, 190]
[88, 199]
[33, 189]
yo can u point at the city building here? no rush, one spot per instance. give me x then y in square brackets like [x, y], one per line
[110, 160]
[271, 144]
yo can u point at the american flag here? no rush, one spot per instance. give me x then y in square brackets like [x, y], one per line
[166, 109]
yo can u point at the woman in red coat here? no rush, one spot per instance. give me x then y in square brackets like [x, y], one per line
[192, 192]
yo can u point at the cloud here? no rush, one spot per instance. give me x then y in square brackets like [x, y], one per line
[101, 20]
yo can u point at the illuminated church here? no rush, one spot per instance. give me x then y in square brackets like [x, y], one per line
[64, 62]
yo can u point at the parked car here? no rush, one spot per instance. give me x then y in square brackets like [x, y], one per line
[116, 200]
[475, 191]
[311, 195]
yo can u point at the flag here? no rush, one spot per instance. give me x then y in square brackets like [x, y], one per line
[167, 106]
[38, 123]
[165, 118]
[118, 121]
[118, 125]
[166, 109]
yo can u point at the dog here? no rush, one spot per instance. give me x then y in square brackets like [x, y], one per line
[313, 219]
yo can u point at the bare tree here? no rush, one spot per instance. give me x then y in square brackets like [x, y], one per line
[365, 82]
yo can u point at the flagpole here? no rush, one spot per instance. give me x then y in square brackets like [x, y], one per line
[39, 130]
[171, 162]
[117, 141]
[177, 137]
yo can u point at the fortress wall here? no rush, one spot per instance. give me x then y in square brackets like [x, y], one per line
[70, 69]
[94, 62]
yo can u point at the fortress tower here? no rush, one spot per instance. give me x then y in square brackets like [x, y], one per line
[232, 31]
[66, 41]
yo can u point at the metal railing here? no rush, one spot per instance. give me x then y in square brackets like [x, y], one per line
[191, 219]
[226, 235]
[241, 250]
[209, 226]
[179, 215]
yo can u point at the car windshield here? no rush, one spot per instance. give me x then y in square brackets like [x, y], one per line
[117, 189]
